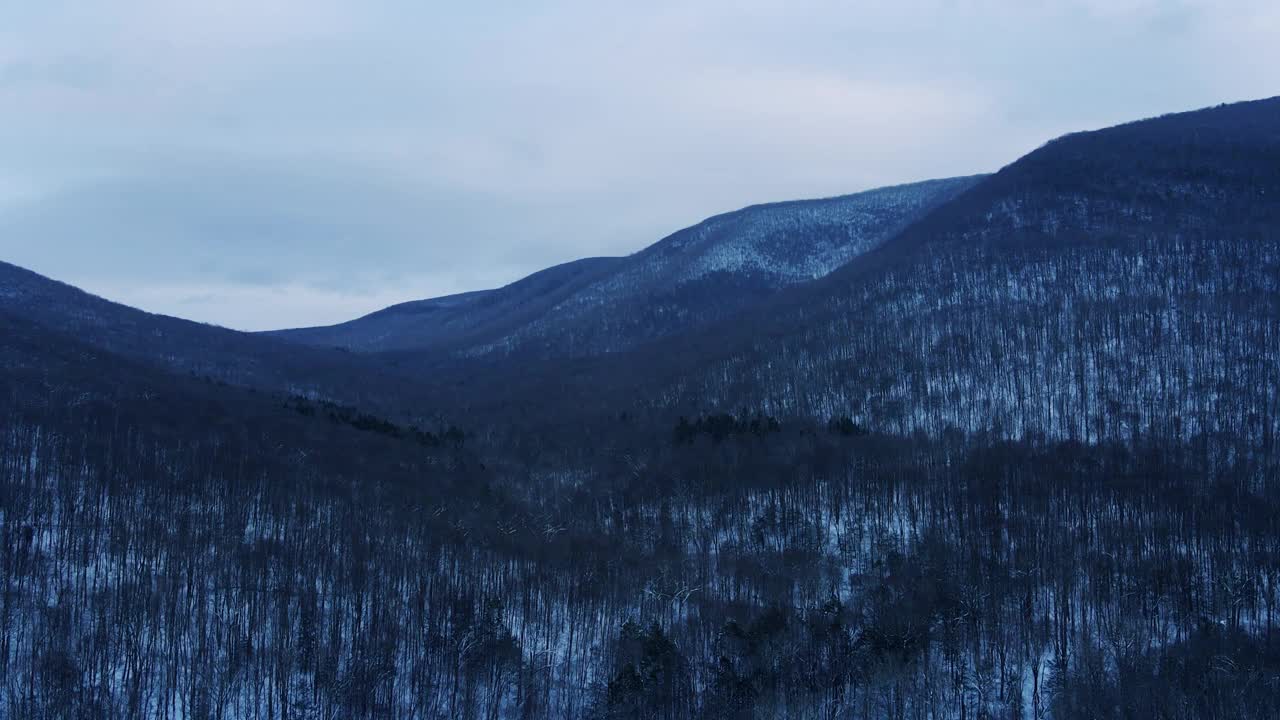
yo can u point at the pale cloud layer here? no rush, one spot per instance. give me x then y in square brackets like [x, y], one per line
[269, 163]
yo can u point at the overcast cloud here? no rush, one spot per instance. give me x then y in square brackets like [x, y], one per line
[272, 163]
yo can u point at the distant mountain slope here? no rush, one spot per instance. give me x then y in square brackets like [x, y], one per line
[1110, 283]
[455, 318]
[187, 347]
[695, 276]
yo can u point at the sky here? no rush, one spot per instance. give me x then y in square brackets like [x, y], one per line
[279, 163]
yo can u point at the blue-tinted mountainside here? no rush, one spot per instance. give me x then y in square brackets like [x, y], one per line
[1109, 283]
[574, 548]
[453, 319]
[205, 351]
[695, 276]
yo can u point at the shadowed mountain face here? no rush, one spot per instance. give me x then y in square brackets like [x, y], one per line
[1110, 283]
[694, 277]
[205, 351]
[453, 320]
[878, 503]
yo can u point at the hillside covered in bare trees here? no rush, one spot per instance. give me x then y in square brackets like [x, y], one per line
[1018, 459]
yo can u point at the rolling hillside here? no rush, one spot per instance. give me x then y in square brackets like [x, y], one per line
[693, 277]
[1110, 283]
[1050, 488]
[206, 351]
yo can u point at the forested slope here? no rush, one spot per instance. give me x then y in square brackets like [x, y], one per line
[207, 351]
[455, 320]
[1018, 462]
[1110, 283]
[174, 549]
[696, 276]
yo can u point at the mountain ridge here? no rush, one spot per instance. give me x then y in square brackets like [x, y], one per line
[696, 275]
[188, 347]
[1088, 316]
[1122, 268]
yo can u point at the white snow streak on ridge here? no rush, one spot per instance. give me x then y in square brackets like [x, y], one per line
[774, 245]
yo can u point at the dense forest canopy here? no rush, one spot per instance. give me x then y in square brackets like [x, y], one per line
[1015, 458]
